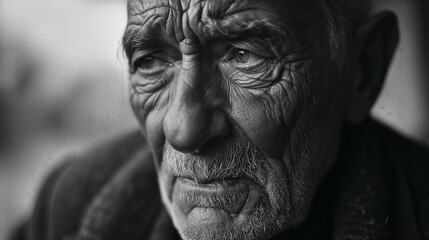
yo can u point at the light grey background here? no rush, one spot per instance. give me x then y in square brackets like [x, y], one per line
[62, 87]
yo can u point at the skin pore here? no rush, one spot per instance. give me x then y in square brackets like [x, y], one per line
[242, 107]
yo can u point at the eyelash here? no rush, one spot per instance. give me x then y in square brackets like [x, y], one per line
[228, 59]
[252, 63]
[150, 72]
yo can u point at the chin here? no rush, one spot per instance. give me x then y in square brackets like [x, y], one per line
[263, 213]
[212, 223]
[206, 201]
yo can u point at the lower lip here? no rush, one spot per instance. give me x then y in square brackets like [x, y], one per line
[229, 195]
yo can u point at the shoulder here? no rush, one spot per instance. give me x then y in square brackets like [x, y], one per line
[410, 162]
[383, 182]
[72, 186]
[413, 161]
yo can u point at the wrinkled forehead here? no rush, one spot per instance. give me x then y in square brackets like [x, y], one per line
[216, 17]
[203, 8]
[187, 4]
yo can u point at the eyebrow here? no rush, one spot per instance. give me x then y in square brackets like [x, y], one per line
[145, 31]
[138, 36]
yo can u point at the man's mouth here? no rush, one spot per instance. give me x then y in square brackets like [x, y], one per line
[229, 195]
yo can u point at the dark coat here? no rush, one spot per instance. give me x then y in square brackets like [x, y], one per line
[378, 189]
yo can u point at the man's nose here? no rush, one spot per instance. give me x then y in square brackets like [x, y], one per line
[192, 119]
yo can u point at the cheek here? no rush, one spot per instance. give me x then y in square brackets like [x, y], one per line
[150, 109]
[313, 107]
[257, 116]
[265, 116]
[314, 139]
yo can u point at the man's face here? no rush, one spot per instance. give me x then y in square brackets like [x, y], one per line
[242, 108]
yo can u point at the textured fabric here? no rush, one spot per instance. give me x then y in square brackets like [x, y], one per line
[378, 189]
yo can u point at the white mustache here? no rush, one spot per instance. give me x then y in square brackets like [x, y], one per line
[241, 160]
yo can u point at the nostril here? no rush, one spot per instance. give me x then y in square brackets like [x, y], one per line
[184, 145]
[187, 131]
[189, 123]
[192, 137]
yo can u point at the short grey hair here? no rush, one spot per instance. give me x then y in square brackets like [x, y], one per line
[339, 17]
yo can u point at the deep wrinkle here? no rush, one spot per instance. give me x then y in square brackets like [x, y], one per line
[205, 91]
[230, 27]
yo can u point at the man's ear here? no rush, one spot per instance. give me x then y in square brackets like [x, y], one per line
[375, 41]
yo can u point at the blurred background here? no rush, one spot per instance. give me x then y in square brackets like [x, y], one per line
[62, 86]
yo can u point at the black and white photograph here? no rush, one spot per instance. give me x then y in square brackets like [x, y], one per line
[214, 119]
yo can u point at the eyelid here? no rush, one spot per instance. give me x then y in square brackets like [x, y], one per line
[166, 52]
[140, 55]
[155, 71]
[255, 48]
[248, 66]
[245, 67]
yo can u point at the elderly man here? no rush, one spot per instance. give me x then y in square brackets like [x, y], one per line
[255, 120]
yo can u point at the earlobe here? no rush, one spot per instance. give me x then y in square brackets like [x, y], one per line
[375, 43]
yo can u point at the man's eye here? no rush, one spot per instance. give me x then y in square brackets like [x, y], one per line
[151, 63]
[244, 58]
[241, 56]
